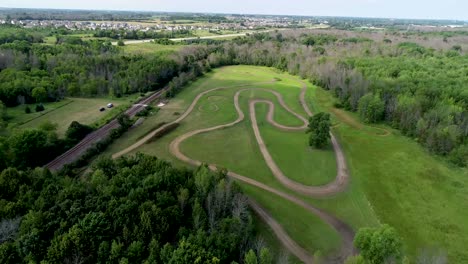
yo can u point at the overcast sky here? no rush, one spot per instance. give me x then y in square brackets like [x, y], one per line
[433, 9]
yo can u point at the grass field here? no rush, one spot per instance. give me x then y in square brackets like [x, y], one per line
[393, 179]
[83, 110]
[421, 195]
[150, 48]
[244, 155]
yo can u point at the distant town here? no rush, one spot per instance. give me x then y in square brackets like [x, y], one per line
[232, 23]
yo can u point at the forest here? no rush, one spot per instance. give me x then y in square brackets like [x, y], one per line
[138, 209]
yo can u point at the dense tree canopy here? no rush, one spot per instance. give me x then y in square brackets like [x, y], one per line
[137, 209]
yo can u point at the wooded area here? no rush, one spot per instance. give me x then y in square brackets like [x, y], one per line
[137, 208]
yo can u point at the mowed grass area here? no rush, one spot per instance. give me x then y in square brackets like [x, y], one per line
[393, 179]
[419, 194]
[63, 113]
[235, 148]
[150, 48]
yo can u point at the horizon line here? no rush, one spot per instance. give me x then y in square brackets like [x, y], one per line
[229, 13]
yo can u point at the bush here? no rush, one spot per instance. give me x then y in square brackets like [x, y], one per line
[120, 43]
[379, 245]
[77, 131]
[40, 108]
[459, 156]
[27, 110]
[371, 108]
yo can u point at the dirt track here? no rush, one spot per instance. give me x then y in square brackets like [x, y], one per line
[338, 185]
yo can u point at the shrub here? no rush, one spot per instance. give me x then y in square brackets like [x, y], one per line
[459, 156]
[40, 108]
[77, 131]
[27, 110]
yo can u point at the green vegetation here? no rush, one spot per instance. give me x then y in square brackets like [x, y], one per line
[151, 48]
[379, 245]
[393, 99]
[319, 128]
[390, 186]
[63, 113]
[398, 177]
[317, 166]
[181, 216]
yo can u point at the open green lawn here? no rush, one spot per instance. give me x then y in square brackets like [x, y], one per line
[393, 180]
[83, 110]
[244, 156]
[150, 48]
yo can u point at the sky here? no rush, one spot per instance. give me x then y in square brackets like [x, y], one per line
[425, 9]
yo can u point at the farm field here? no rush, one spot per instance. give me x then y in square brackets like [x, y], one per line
[83, 110]
[393, 179]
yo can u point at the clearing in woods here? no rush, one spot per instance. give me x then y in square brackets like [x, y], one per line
[63, 113]
[387, 184]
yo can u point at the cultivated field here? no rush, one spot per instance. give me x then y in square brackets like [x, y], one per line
[392, 179]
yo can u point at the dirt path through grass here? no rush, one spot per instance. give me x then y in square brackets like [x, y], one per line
[338, 185]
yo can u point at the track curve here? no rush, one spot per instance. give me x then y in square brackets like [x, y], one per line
[338, 185]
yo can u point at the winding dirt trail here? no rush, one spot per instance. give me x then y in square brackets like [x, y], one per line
[338, 185]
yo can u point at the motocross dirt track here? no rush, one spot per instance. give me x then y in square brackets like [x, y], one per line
[338, 185]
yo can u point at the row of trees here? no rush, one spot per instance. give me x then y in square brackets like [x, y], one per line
[136, 209]
[25, 148]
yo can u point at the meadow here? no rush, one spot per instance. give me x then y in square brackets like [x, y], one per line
[393, 179]
[150, 48]
[62, 113]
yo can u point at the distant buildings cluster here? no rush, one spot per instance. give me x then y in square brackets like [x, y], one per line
[234, 23]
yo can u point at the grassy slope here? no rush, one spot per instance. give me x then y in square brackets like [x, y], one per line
[83, 110]
[244, 155]
[419, 194]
